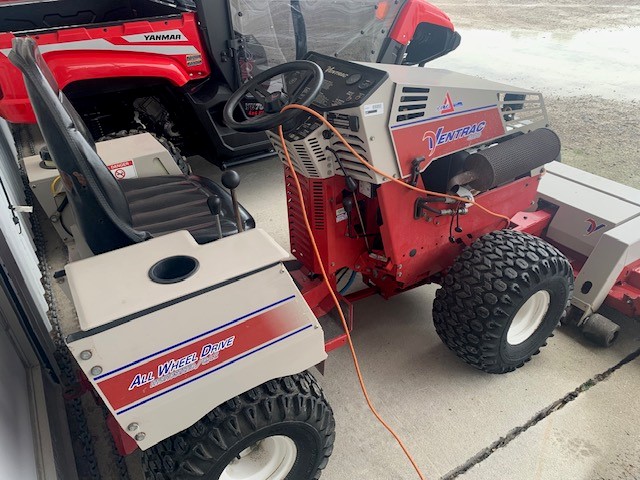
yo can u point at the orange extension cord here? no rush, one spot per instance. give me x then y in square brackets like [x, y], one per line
[324, 273]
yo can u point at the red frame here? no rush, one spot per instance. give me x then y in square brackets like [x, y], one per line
[93, 59]
[412, 251]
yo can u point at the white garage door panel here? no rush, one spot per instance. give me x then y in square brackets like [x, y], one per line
[17, 455]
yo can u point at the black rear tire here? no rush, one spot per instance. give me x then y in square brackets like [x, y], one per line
[292, 406]
[487, 286]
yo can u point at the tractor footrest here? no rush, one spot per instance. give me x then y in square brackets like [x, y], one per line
[334, 336]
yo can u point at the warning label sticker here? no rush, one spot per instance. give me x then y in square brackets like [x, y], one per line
[123, 170]
[341, 215]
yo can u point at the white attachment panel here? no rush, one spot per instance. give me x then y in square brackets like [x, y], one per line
[588, 206]
[164, 370]
[616, 249]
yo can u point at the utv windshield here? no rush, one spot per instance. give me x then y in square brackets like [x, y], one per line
[278, 31]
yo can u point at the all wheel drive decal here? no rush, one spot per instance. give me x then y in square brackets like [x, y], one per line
[141, 381]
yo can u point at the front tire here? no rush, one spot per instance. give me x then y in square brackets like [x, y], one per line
[281, 430]
[502, 299]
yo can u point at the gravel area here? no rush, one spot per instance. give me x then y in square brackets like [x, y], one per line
[563, 16]
[581, 54]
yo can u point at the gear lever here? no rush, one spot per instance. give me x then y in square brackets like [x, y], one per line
[215, 206]
[231, 180]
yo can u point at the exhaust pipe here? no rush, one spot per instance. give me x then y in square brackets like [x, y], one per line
[508, 160]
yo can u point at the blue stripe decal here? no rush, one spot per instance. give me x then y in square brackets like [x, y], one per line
[230, 362]
[422, 120]
[239, 319]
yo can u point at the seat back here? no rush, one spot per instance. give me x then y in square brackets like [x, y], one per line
[98, 202]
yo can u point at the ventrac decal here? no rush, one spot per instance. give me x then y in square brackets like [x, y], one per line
[169, 42]
[593, 226]
[142, 381]
[441, 136]
[438, 136]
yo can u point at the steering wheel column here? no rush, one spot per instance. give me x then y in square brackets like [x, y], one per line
[305, 88]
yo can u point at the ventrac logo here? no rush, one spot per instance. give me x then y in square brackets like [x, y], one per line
[448, 106]
[442, 137]
[333, 71]
[593, 226]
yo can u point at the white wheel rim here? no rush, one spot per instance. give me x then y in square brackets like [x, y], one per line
[268, 459]
[529, 317]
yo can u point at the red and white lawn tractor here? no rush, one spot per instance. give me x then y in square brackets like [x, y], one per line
[197, 330]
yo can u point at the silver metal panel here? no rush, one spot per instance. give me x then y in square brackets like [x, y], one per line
[588, 205]
[17, 455]
[371, 141]
[436, 77]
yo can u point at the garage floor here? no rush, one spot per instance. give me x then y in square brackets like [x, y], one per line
[572, 412]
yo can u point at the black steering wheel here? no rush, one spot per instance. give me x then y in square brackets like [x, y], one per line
[305, 79]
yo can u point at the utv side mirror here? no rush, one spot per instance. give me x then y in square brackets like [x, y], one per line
[429, 42]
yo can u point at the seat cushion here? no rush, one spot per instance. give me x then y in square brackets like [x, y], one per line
[165, 204]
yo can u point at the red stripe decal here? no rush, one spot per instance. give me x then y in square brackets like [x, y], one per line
[162, 372]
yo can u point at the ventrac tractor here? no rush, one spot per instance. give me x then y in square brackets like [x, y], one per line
[194, 327]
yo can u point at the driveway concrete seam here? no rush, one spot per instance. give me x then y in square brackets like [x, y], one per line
[541, 415]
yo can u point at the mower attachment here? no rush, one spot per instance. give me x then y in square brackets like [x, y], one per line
[170, 329]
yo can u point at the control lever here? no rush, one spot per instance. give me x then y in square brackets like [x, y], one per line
[215, 207]
[231, 180]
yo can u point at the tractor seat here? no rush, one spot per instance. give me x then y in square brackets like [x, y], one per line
[113, 214]
[165, 204]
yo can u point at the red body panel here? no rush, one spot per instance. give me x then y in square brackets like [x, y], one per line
[412, 14]
[445, 134]
[419, 249]
[411, 251]
[127, 50]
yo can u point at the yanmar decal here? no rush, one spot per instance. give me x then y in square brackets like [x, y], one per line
[593, 226]
[438, 136]
[130, 386]
[166, 36]
[170, 42]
